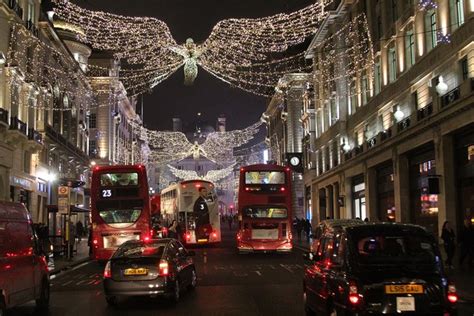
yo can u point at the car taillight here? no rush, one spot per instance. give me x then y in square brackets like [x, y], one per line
[163, 268]
[354, 296]
[239, 237]
[107, 271]
[188, 235]
[152, 232]
[95, 241]
[452, 293]
[214, 234]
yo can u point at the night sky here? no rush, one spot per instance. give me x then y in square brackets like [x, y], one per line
[209, 95]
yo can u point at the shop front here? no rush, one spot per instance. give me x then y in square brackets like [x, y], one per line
[464, 157]
[358, 197]
[385, 193]
[21, 189]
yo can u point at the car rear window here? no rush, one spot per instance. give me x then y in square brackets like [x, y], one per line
[393, 247]
[140, 249]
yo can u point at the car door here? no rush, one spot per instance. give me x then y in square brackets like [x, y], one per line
[185, 262]
[316, 279]
[324, 270]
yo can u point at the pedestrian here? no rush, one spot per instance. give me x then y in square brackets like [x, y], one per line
[230, 222]
[299, 227]
[173, 230]
[466, 240]
[449, 240]
[79, 230]
[307, 228]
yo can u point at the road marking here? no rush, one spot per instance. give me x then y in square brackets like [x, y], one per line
[286, 267]
[81, 265]
[240, 274]
[258, 272]
[92, 281]
[66, 283]
[80, 282]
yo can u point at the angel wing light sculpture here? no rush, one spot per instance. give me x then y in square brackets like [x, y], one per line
[217, 147]
[212, 175]
[247, 53]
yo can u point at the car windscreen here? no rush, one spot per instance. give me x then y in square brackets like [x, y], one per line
[120, 216]
[264, 177]
[140, 249]
[393, 247]
[265, 212]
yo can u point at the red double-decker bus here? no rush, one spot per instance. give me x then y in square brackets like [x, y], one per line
[264, 206]
[120, 208]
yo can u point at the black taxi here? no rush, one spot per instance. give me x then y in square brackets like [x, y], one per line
[377, 268]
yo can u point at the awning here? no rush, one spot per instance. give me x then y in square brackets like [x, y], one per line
[73, 209]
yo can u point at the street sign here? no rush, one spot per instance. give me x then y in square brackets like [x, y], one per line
[63, 199]
[63, 191]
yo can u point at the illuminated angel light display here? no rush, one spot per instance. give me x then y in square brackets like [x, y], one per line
[175, 146]
[212, 175]
[247, 53]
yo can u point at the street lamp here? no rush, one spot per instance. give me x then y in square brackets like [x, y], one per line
[441, 87]
[399, 115]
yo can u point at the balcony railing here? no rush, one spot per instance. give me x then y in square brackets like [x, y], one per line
[404, 124]
[35, 136]
[450, 97]
[3, 116]
[371, 142]
[386, 134]
[424, 112]
[18, 125]
[15, 6]
[358, 150]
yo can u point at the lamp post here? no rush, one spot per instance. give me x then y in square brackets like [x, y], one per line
[441, 87]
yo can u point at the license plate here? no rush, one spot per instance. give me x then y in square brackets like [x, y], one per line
[202, 240]
[404, 289]
[138, 271]
[405, 304]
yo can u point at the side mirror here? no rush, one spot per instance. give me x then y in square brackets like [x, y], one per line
[191, 253]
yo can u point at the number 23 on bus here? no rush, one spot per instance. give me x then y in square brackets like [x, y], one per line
[120, 208]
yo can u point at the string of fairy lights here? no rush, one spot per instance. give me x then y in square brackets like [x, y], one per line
[246, 53]
[175, 146]
[213, 176]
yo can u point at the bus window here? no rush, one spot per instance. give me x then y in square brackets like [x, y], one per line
[119, 179]
[265, 212]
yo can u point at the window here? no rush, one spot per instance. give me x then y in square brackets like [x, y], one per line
[364, 88]
[92, 147]
[334, 110]
[464, 69]
[430, 29]
[409, 48]
[93, 120]
[394, 11]
[456, 9]
[377, 77]
[352, 104]
[31, 11]
[392, 63]
[26, 162]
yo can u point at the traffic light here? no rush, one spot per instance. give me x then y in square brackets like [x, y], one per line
[295, 162]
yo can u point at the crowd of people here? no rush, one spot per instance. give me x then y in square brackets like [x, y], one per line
[302, 225]
[465, 241]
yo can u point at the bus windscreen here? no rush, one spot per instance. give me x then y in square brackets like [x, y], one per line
[265, 212]
[264, 177]
[119, 179]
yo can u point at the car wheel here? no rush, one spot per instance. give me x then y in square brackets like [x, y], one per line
[111, 300]
[176, 292]
[42, 302]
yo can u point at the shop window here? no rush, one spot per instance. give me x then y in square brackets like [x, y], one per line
[93, 120]
[377, 77]
[392, 63]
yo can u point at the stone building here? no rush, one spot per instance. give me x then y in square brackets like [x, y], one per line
[394, 141]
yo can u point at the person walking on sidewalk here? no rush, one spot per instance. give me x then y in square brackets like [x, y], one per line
[449, 240]
[466, 239]
[299, 227]
[79, 231]
[307, 228]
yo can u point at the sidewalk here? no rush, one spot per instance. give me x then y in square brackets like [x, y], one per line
[462, 277]
[57, 265]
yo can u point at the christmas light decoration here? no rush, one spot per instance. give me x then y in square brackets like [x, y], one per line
[213, 176]
[246, 53]
[427, 5]
[175, 146]
[443, 38]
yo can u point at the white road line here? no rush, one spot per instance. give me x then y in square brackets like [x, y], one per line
[81, 265]
[284, 266]
[80, 282]
[258, 272]
[66, 283]
[92, 281]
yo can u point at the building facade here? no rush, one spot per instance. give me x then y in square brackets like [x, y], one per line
[394, 140]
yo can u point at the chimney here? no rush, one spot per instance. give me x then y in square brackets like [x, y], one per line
[177, 125]
[221, 123]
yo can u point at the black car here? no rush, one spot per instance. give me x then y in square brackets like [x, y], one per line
[377, 268]
[158, 267]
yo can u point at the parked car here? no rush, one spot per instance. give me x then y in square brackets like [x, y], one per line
[158, 267]
[24, 272]
[377, 268]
